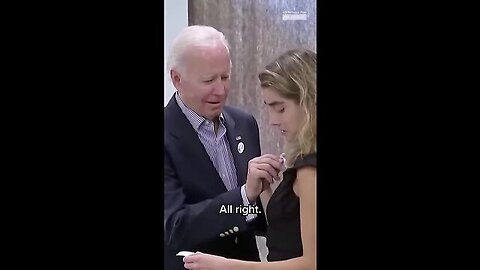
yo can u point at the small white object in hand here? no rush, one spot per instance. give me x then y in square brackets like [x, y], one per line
[185, 253]
[282, 156]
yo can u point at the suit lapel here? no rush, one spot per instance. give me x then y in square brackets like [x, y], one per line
[179, 128]
[233, 133]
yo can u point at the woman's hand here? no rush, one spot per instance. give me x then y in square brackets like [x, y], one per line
[201, 261]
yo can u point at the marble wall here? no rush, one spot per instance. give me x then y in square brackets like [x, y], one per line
[258, 31]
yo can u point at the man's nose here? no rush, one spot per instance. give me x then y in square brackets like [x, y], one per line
[219, 88]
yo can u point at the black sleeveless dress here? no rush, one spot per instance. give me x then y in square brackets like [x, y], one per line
[283, 215]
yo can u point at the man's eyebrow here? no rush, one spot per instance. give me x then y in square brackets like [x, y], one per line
[274, 103]
[210, 76]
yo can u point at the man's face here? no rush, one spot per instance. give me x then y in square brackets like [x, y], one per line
[205, 82]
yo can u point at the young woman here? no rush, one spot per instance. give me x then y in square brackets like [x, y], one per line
[289, 90]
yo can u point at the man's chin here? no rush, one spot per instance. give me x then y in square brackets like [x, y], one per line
[211, 115]
[213, 112]
[216, 110]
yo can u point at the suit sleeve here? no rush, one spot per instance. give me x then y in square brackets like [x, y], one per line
[188, 225]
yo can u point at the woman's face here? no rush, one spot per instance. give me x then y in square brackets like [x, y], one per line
[283, 113]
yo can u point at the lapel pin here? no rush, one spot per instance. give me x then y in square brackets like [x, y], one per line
[240, 147]
[238, 138]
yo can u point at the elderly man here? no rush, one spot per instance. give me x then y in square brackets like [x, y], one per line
[208, 206]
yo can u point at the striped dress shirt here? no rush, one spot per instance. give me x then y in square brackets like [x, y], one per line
[216, 144]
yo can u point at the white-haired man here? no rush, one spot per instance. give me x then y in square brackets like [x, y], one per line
[207, 150]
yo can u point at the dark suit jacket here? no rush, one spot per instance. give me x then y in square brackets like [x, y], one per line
[194, 192]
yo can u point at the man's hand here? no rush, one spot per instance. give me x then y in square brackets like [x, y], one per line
[262, 171]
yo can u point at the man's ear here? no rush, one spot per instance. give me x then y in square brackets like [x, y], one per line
[176, 78]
